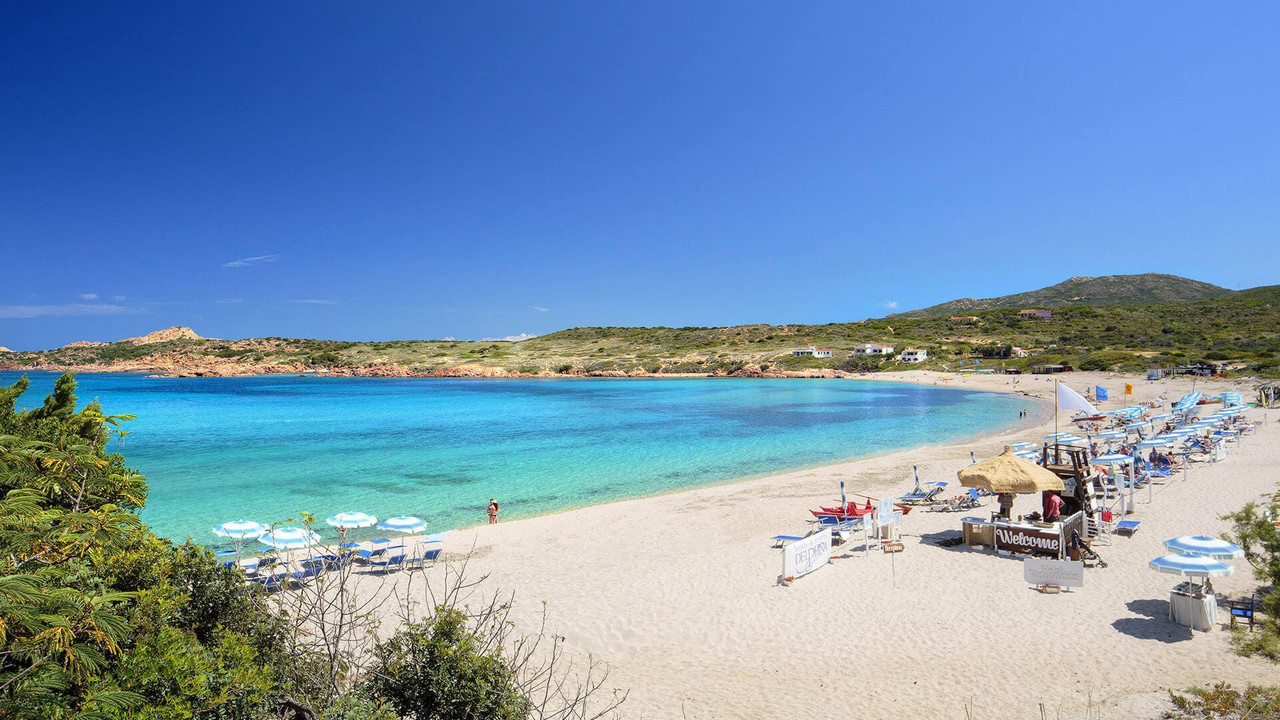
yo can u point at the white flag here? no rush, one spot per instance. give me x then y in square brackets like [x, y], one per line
[1069, 399]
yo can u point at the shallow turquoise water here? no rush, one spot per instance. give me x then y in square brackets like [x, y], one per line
[264, 448]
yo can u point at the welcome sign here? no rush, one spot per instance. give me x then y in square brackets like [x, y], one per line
[804, 556]
[1030, 541]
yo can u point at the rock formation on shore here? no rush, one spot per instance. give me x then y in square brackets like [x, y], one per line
[159, 336]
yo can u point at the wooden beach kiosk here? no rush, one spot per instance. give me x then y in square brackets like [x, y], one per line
[1008, 474]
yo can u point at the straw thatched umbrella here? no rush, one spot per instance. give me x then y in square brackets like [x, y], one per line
[1008, 473]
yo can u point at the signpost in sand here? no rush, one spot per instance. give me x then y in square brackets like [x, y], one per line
[1055, 574]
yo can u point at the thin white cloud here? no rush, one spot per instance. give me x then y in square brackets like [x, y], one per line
[227, 301]
[18, 312]
[889, 304]
[449, 338]
[539, 308]
[249, 261]
[88, 296]
[118, 298]
[509, 338]
[314, 302]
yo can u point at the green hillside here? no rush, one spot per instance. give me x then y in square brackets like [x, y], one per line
[1241, 327]
[1149, 288]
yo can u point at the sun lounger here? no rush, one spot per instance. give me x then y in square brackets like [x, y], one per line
[1127, 527]
[303, 577]
[780, 540]
[270, 583]
[929, 496]
[368, 556]
[395, 562]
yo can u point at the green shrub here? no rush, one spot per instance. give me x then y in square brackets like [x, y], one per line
[440, 670]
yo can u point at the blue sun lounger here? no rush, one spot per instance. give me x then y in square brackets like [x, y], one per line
[780, 540]
[1128, 527]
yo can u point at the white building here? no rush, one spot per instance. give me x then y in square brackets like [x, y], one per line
[822, 352]
[912, 355]
[814, 351]
[802, 352]
[873, 349]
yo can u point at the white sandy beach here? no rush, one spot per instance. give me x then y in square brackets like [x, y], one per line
[679, 594]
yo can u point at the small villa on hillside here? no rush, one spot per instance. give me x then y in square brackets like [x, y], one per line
[812, 352]
[873, 349]
[912, 355]
[1031, 314]
[964, 319]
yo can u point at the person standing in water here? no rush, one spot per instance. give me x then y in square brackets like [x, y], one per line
[493, 511]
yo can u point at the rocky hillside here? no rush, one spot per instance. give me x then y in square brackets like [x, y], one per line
[1147, 289]
[1241, 328]
[166, 335]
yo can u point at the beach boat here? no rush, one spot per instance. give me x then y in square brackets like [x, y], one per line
[1089, 418]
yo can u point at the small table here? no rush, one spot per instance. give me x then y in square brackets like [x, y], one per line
[1191, 606]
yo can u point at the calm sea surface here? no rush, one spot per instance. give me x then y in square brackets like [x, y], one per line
[265, 448]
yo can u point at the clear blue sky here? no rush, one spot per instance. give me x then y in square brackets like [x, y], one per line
[432, 169]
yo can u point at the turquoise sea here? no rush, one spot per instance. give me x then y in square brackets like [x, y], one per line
[265, 448]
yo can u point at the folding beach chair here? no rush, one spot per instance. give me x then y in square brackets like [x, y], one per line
[781, 540]
[395, 562]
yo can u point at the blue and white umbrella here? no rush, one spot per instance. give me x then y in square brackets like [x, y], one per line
[1113, 459]
[1205, 546]
[1023, 446]
[289, 538]
[240, 529]
[404, 524]
[1055, 436]
[348, 520]
[1190, 566]
[1111, 435]
[1154, 442]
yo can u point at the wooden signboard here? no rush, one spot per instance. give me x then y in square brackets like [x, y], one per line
[1024, 540]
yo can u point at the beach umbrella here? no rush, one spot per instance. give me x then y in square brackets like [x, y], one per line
[348, 520]
[1055, 436]
[1008, 473]
[240, 529]
[1112, 435]
[1165, 416]
[1205, 546]
[844, 504]
[405, 524]
[1154, 442]
[1024, 445]
[1190, 566]
[289, 538]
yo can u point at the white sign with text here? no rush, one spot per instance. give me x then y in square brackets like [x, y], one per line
[1063, 573]
[804, 556]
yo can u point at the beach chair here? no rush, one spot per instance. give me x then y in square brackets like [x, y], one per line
[782, 540]
[1243, 610]
[431, 556]
[369, 556]
[269, 583]
[928, 497]
[395, 562]
[310, 571]
[1127, 527]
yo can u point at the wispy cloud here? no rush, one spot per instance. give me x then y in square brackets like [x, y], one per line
[889, 304]
[118, 298]
[509, 338]
[249, 261]
[228, 301]
[539, 308]
[314, 302]
[16, 312]
[88, 296]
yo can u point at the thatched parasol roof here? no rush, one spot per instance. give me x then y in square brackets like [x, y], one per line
[1008, 473]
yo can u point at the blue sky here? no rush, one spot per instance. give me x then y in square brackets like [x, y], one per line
[422, 170]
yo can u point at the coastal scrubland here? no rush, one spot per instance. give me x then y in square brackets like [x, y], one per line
[1238, 329]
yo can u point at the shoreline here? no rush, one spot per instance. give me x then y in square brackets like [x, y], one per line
[678, 594]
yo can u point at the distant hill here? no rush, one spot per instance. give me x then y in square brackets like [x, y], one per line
[1241, 328]
[1146, 289]
[166, 335]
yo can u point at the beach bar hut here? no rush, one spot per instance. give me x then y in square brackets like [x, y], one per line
[1009, 474]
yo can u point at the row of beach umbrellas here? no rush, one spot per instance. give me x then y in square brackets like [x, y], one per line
[292, 537]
